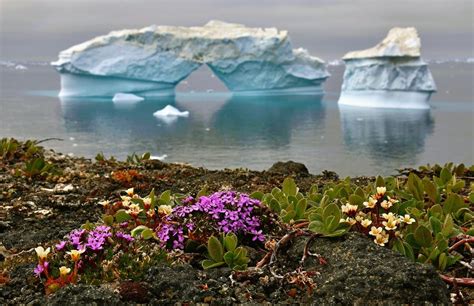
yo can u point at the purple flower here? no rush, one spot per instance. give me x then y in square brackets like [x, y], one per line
[126, 237]
[40, 268]
[60, 246]
[220, 212]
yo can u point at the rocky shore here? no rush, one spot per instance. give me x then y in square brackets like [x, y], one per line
[42, 207]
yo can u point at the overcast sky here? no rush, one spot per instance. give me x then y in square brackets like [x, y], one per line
[38, 30]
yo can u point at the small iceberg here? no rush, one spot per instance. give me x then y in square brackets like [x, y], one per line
[160, 158]
[126, 98]
[170, 114]
[20, 67]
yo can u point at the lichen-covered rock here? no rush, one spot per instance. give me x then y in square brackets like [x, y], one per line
[153, 60]
[391, 74]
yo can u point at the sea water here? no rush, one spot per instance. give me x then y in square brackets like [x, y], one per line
[229, 131]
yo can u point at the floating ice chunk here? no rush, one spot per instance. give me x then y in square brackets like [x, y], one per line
[162, 157]
[170, 112]
[20, 67]
[126, 98]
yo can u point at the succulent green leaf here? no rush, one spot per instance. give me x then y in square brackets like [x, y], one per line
[147, 234]
[230, 242]
[423, 236]
[431, 190]
[445, 175]
[442, 261]
[436, 225]
[289, 187]
[415, 186]
[355, 199]
[202, 192]
[215, 249]
[379, 182]
[257, 195]
[301, 208]
[209, 264]
[121, 216]
[138, 230]
[448, 226]
[108, 219]
[409, 251]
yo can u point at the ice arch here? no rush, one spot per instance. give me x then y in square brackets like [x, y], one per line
[153, 60]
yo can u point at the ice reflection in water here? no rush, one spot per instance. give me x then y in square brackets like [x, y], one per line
[387, 135]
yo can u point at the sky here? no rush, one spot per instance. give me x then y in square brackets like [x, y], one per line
[38, 30]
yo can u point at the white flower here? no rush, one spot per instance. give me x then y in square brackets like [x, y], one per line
[392, 200]
[42, 253]
[366, 222]
[63, 271]
[389, 216]
[104, 203]
[134, 209]
[381, 190]
[407, 219]
[76, 254]
[386, 204]
[147, 202]
[165, 209]
[390, 225]
[348, 208]
[129, 191]
[381, 239]
[371, 203]
[374, 231]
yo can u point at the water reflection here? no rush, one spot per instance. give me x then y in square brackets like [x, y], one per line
[234, 120]
[387, 135]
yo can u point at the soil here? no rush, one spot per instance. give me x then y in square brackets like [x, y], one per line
[44, 209]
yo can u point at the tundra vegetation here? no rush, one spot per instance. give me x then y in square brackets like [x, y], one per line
[424, 214]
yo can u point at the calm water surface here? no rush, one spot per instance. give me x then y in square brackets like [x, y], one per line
[253, 132]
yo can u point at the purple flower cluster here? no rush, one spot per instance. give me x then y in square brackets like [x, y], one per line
[40, 268]
[126, 237]
[220, 212]
[94, 240]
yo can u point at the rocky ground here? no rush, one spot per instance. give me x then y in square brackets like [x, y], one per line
[35, 210]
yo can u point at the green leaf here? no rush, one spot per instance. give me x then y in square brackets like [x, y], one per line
[453, 203]
[423, 236]
[230, 242]
[332, 210]
[316, 226]
[257, 195]
[431, 190]
[147, 234]
[436, 225]
[215, 250]
[379, 182]
[289, 187]
[108, 219]
[165, 197]
[448, 226]
[274, 205]
[442, 261]
[202, 192]
[209, 264]
[301, 208]
[415, 186]
[121, 216]
[138, 230]
[356, 200]
[409, 251]
[398, 246]
[445, 175]
[337, 233]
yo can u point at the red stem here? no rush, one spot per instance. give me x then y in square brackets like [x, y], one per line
[461, 242]
[468, 282]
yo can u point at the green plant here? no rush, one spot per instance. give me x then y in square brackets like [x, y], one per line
[225, 252]
[136, 159]
[38, 167]
[8, 148]
[288, 202]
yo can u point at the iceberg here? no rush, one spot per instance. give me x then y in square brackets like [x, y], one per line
[151, 61]
[170, 114]
[126, 98]
[390, 75]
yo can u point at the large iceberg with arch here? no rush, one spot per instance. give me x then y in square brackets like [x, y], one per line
[153, 60]
[390, 75]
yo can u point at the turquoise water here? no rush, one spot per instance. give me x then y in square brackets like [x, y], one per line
[253, 132]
